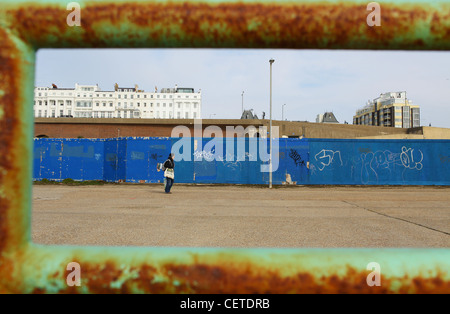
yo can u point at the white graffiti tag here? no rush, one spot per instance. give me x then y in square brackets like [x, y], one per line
[208, 156]
[407, 157]
[326, 158]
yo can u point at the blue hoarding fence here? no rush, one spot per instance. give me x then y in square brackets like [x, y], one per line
[242, 160]
[380, 162]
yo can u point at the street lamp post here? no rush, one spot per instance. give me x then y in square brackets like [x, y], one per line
[242, 101]
[270, 129]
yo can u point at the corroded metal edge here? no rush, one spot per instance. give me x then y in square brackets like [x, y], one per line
[27, 268]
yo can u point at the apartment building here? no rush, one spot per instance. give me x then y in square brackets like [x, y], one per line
[89, 101]
[391, 109]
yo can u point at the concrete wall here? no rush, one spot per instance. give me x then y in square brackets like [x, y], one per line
[326, 130]
[110, 128]
[301, 161]
[436, 133]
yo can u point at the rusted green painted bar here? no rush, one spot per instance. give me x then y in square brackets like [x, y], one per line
[233, 24]
[28, 26]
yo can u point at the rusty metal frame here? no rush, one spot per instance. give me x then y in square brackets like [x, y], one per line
[27, 26]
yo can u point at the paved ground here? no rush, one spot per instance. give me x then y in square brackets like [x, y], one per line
[242, 216]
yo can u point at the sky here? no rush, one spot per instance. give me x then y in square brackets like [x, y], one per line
[308, 82]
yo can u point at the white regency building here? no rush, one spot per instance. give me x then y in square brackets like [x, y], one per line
[89, 101]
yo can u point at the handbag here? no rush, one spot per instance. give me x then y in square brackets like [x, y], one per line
[169, 173]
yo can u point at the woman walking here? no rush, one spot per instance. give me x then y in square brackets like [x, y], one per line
[169, 174]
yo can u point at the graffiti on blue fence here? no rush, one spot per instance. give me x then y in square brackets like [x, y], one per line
[424, 162]
[388, 162]
[327, 157]
[382, 164]
[410, 159]
[444, 159]
[296, 157]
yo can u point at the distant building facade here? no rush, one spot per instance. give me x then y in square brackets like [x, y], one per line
[327, 117]
[89, 101]
[391, 109]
